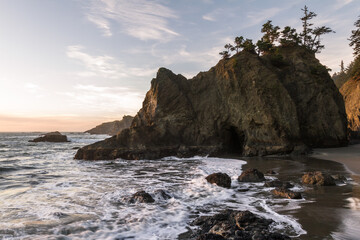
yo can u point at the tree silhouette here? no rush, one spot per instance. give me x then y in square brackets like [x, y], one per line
[311, 37]
[289, 37]
[355, 38]
[224, 54]
[271, 32]
[248, 46]
[238, 43]
[306, 33]
[263, 46]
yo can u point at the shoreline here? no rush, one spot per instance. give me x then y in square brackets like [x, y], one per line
[348, 156]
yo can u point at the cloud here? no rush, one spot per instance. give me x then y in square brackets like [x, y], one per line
[113, 99]
[142, 19]
[341, 3]
[32, 87]
[261, 16]
[194, 59]
[105, 66]
[209, 17]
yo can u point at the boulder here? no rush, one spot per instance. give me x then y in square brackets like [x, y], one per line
[318, 178]
[251, 175]
[247, 105]
[140, 197]
[112, 128]
[286, 193]
[231, 224]
[220, 179]
[278, 184]
[51, 137]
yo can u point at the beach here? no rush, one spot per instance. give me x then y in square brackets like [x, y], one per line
[349, 156]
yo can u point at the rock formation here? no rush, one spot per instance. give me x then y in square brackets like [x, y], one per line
[248, 105]
[318, 178]
[51, 137]
[286, 193]
[351, 93]
[112, 128]
[139, 197]
[251, 175]
[220, 179]
[231, 224]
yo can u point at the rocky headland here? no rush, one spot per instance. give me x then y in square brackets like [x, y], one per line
[351, 93]
[248, 104]
[112, 128]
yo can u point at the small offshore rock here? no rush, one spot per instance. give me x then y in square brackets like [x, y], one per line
[51, 137]
[140, 197]
[286, 193]
[220, 179]
[318, 178]
[251, 175]
[278, 184]
[162, 194]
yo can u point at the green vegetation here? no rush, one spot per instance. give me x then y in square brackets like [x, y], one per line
[309, 38]
[355, 38]
[353, 69]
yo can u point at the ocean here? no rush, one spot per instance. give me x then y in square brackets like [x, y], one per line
[46, 194]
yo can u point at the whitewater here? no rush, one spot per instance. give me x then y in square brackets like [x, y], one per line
[46, 194]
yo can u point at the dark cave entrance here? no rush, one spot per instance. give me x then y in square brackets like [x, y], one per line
[233, 140]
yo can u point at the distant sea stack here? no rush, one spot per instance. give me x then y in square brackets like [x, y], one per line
[112, 128]
[248, 105]
[51, 137]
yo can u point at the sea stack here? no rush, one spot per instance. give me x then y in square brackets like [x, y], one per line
[51, 137]
[248, 105]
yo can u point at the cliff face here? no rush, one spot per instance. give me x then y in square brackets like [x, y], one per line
[351, 93]
[247, 104]
[112, 128]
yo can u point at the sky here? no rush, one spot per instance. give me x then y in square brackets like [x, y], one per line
[70, 65]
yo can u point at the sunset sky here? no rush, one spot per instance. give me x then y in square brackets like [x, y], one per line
[72, 64]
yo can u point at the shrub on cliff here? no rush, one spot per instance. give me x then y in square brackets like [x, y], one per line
[310, 37]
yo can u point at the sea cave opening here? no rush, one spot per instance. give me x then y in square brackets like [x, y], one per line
[233, 140]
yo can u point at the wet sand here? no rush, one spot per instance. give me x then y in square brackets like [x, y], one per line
[330, 212]
[349, 156]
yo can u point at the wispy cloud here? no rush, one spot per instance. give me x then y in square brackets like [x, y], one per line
[113, 99]
[202, 59]
[209, 17]
[32, 87]
[105, 66]
[142, 19]
[261, 16]
[341, 3]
